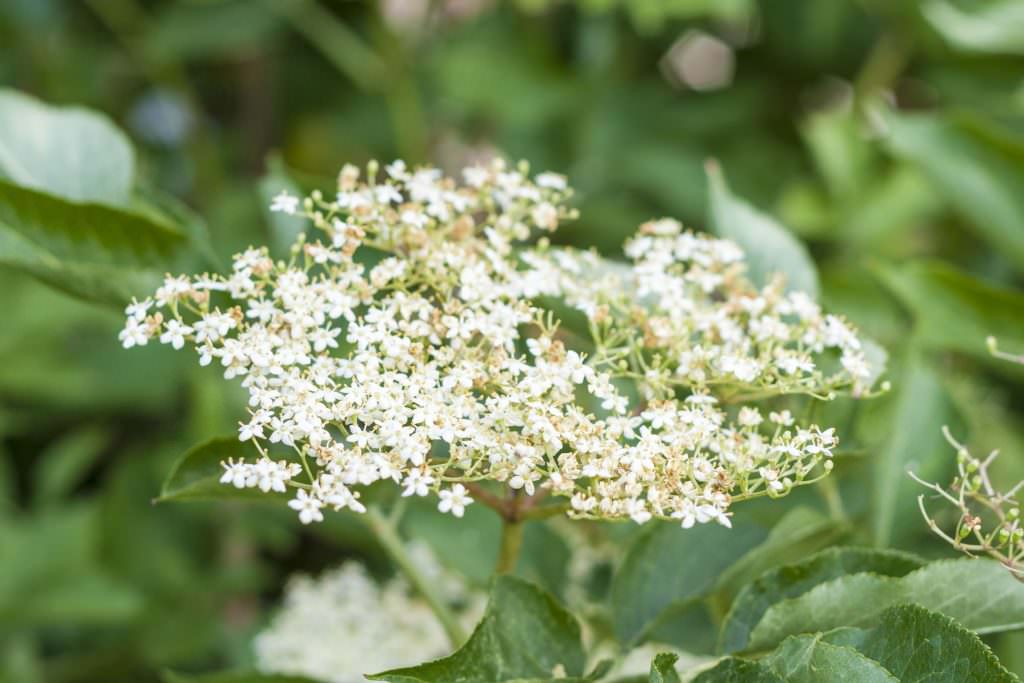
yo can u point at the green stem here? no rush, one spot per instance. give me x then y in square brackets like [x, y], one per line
[511, 544]
[387, 535]
[884, 64]
[830, 492]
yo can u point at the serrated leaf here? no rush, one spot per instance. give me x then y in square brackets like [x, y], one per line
[736, 670]
[808, 659]
[663, 668]
[769, 247]
[916, 644]
[995, 27]
[524, 635]
[69, 152]
[196, 476]
[980, 594]
[984, 185]
[795, 579]
[953, 310]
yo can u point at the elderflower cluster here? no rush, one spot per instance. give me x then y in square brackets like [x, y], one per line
[344, 624]
[988, 520]
[408, 341]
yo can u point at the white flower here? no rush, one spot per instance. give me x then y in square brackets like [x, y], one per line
[454, 500]
[175, 333]
[446, 348]
[138, 309]
[307, 506]
[135, 333]
[343, 624]
[285, 203]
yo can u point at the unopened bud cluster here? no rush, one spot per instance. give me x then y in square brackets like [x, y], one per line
[412, 341]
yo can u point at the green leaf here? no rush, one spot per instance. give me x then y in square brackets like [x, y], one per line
[196, 476]
[769, 247]
[982, 183]
[668, 568]
[953, 310]
[736, 670]
[920, 408]
[800, 532]
[69, 152]
[524, 634]
[995, 27]
[63, 464]
[980, 594]
[916, 644]
[809, 659]
[667, 571]
[663, 668]
[91, 251]
[795, 579]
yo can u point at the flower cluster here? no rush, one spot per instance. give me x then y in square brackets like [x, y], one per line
[344, 624]
[411, 341]
[988, 520]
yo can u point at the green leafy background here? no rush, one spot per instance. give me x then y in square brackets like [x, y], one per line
[871, 150]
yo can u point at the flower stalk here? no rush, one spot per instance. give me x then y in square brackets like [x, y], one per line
[386, 533]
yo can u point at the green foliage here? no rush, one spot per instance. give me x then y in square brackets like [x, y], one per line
[795, 579]
[980, 594]
[907, 218]
[525, 635]
[770, 247]
[663, 669]
[196, 476]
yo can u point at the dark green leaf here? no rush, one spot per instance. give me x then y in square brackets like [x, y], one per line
[916, 644]
[980, 594]
[87, 250]
[68, 152]
[196, 476]
[736, 670]
[668, 568]
[524, 634]
[795, 579]
[769, 247]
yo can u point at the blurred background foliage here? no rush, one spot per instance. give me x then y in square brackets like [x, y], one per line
[888, 135]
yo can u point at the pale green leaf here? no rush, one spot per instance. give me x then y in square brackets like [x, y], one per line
[69, 152]
[994, 27]
[769, 247]
[808, 659]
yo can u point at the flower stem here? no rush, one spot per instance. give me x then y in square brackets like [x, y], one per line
[387, 535]
[511, 544]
